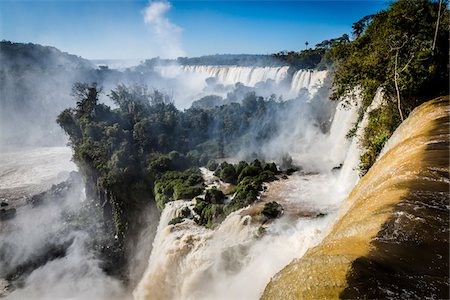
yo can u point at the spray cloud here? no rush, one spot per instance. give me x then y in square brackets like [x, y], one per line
[167, 35]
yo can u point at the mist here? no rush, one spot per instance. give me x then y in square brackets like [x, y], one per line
[57, 243]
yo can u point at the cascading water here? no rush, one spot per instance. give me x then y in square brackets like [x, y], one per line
[391, 241]
[230, 74]
[233, 261]
[310, 80]
[249, 76]
[307, 80]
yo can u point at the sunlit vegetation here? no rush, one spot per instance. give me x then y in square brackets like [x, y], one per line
[404, 50]
[272, 210]
[249, 179]
[319, 57]
[146, 149]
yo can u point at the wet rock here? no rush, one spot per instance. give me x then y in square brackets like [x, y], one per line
[7, 214]
[337, 167]
[57, 191]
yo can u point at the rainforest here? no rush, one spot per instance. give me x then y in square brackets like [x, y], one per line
[319, 173]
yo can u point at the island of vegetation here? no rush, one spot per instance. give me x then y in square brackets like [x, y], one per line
[146, 152]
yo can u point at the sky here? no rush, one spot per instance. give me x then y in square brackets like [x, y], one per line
[134, 29]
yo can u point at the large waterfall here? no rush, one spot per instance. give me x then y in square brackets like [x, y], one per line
[234, 261]
[249, 76]
[287, 83]
[392, 242]
[307, 79]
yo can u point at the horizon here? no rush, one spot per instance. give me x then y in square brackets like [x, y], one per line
[139, 30]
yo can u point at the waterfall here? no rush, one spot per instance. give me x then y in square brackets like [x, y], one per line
[230, 75]
[186, 256]
[310, 80]
[393, 235]
[248, 76]
[233, 261]
[348, 176]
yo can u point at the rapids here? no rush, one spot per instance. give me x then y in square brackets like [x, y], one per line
[235, 260]
[28, 171]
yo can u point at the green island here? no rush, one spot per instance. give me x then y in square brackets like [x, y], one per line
[146, 152]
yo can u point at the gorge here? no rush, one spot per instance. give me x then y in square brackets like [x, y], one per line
[313, 174]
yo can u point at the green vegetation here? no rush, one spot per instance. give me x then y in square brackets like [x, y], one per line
[404, 50]
[249, 179]
[146, 151]
[176, 220]
[226, 172]
[208, 214]
[212, 165]
[176, 185]
[319, 57]
[382, 123]
[215, 196]
[272, 210]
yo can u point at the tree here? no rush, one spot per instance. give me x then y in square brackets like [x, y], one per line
[359, 26]
[86, 96]
[395, 51]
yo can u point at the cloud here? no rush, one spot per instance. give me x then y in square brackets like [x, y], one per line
[166, 35]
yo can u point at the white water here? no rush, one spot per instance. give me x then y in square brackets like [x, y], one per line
[28, 235]
[310, 80]
[349, 173]
[231, 262]
[249, 76]
[307, 80]
[34, 166]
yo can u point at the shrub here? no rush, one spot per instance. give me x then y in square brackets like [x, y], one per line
[212, 165]
[184, 191]
[185, 212]
[214, 196]
[176, 220]
[226, 172]
[272, 167]
[241, 166]
[175, 185]
[249, 171]
[272, 210]
[381, 125]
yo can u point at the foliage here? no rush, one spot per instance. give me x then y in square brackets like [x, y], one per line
[212, 165]
[394, 46]
[208, 213]
[406, 27]
[211, 209]
[318, 58]
[176, 185]
[382, 124]
[176, 220]
[215, 196]
[272, 210]
[250, 181]
[226, 172]
[144, 148]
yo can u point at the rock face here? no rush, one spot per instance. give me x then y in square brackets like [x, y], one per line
[392, 239]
